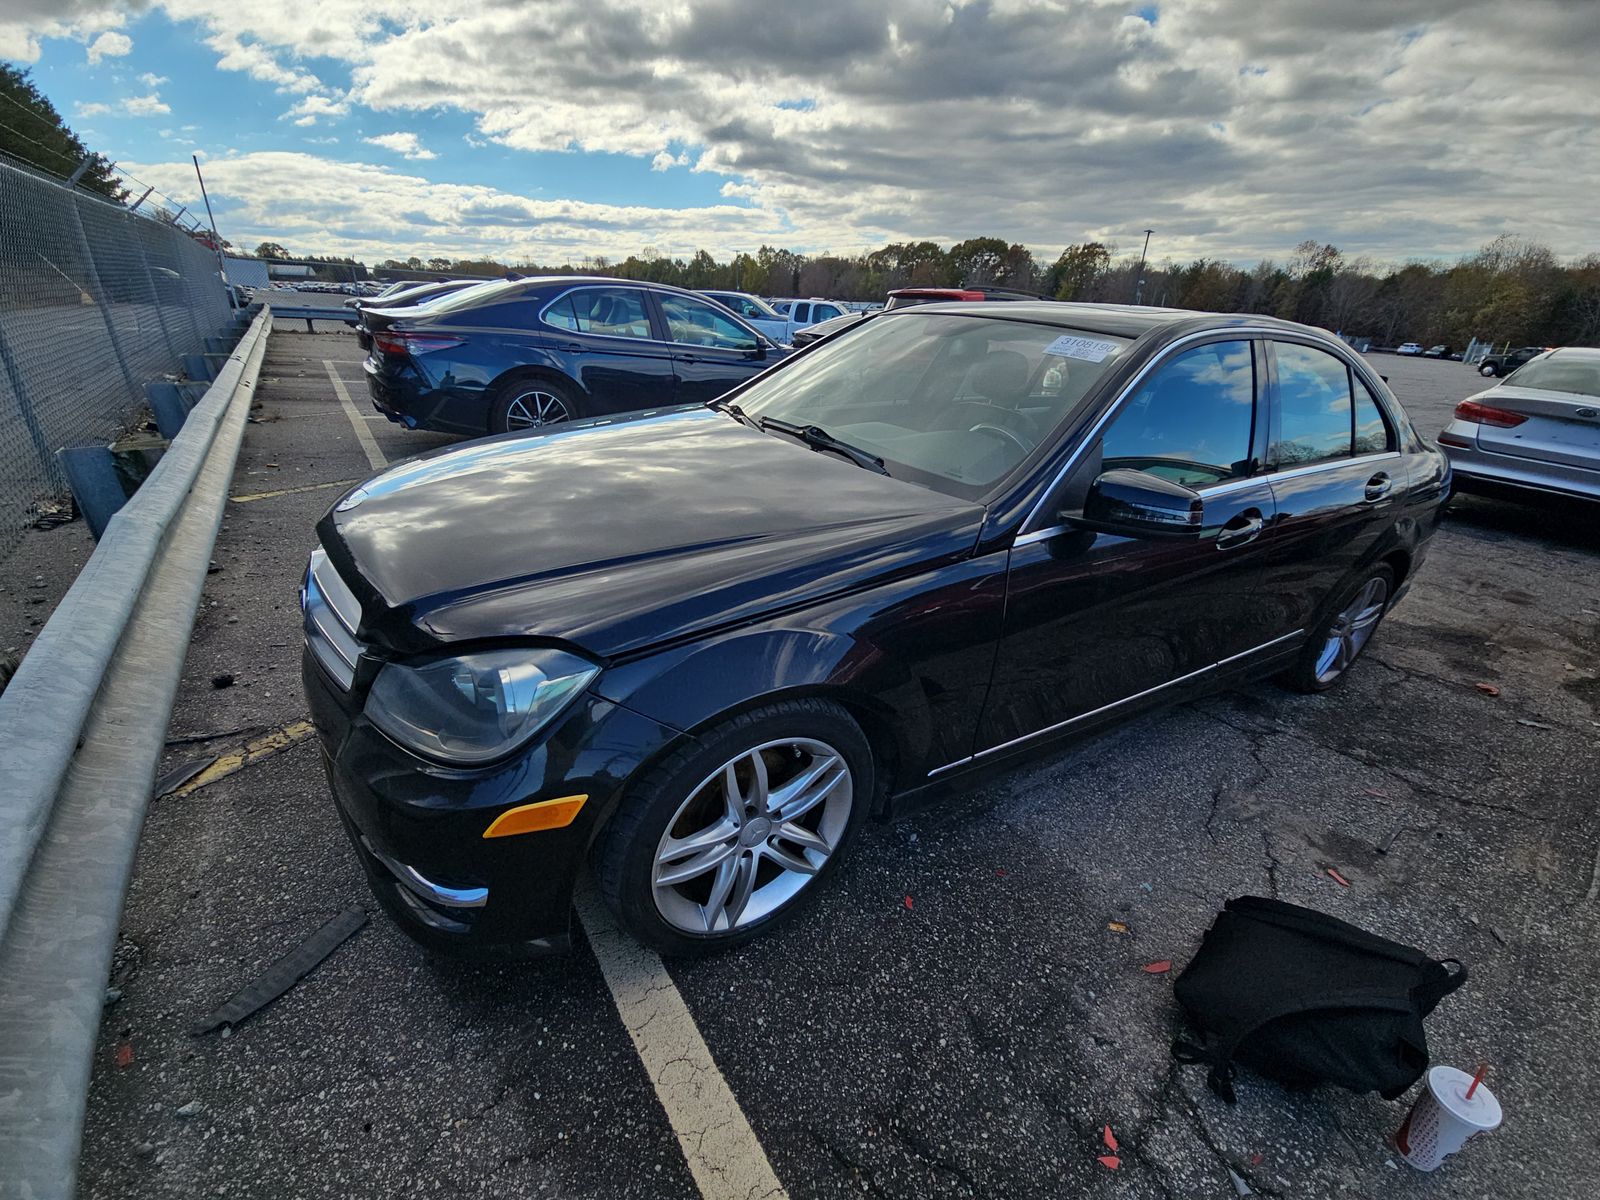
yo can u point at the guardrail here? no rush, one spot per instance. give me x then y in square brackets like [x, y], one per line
[310, 312]
[81, 731]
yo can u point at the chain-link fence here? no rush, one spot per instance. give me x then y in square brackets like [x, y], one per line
[95, 302]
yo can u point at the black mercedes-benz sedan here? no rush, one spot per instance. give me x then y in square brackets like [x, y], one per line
[698, 648]
[527, 353]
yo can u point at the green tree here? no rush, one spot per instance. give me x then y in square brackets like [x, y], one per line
[34, 132]
[1076, 271]
[271, 250]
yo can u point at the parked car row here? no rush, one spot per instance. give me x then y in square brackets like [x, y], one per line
[698, 647]
[527, 353]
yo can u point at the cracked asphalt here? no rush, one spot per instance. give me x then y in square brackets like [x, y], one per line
[973, 1043]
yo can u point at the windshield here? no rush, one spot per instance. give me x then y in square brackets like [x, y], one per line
[747, 306]
[952, 401]
[1556, 373]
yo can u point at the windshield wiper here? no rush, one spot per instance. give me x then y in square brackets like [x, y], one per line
[819, 438]
[733, 410]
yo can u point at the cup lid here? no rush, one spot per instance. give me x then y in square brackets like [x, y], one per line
[1449, 1087]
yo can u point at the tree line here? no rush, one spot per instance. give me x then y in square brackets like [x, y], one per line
[1510, 291]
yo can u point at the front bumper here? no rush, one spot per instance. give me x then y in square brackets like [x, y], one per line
[418, 827]
[1478, 470]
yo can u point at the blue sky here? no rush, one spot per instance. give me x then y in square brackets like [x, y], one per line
[565, 129]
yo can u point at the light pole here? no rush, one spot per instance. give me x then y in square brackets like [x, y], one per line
[1138, 283]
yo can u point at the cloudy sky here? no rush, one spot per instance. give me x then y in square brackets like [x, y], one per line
[553, 129]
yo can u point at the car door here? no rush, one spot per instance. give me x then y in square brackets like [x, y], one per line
[1096, 621]
[605, 338]
[1336, 473]
[711, 350]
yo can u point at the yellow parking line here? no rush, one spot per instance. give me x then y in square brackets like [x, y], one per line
[253, 752]
[310, 487]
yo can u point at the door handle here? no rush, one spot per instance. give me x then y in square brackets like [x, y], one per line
[570, 348]
[1243, 529]
[1378, 487]
[688, 358]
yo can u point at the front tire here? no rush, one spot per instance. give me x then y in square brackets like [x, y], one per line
[728, 836]
[1487, 371]
[1344, 633]
[529, 403]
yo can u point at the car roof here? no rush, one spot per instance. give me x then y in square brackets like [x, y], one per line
[1577, 351]
[1119, 320]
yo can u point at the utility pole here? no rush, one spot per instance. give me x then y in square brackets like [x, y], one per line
[216, 238]
[1138, 283]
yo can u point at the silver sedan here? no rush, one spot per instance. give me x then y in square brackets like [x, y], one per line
[1538, 430]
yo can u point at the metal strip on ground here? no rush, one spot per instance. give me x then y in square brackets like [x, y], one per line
[369, 444]
[724, 1157]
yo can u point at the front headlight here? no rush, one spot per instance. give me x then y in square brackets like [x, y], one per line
[475, 707]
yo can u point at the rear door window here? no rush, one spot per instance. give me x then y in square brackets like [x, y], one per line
[1372, 431]
[1313, 420]
[606, 312]
[696, 323]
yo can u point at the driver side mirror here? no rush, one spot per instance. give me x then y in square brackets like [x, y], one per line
[1138, 504]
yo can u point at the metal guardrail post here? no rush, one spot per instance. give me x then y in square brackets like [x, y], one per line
[81, 729]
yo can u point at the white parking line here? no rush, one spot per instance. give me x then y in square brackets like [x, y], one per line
[724, 1157]
[363, 435]
[714, 1135]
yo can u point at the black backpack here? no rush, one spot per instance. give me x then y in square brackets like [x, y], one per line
[1304, 998]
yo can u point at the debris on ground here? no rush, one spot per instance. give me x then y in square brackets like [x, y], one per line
[1333, 874]
[1160, 967]
[908, 901]
[285, 973]
[53, 513]
[180, 775]
[183, 739]
[191, 1109]
[1110, 1139]
[1533, 724]
[112, 996]
[1000, 871]
[1240, 1187]
[124, 1056]
[1488, 689]
[1117, 926]
[223, 680]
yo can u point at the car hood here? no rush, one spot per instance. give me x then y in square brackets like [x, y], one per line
[615, 536]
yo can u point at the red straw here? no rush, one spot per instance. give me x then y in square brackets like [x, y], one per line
[1477, 1079]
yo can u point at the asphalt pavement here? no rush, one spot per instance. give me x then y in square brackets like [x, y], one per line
[964, 1010]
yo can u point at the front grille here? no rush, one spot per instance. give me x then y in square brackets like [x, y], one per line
[332, 616]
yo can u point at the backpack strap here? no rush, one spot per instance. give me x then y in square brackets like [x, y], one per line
[1218, 1051]
[1429, 994]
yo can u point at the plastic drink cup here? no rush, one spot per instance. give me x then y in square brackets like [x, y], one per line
[1443, 1119]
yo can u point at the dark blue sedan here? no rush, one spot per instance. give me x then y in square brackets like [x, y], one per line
[527, 353]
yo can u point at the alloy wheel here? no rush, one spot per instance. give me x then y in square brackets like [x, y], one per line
[752, 835]
[535, 408]
[1351, 629]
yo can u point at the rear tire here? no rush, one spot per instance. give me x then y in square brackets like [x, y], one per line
[528, 403]
[731, 834]
[1344, 632]
[1487, 371]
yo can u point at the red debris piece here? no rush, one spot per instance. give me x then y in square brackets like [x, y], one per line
[1338, 878]
[1110, 1139]
[1160, 967]
[908, 901]
[1488, 689]
[1255, 1159]
[1109, 1161]
[124, 1057]
[1000, 871]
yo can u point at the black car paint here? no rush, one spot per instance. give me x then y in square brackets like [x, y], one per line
[453, 389]
[708, 567]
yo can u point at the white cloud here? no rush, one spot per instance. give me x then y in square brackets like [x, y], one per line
[93, 110]
[401, 143]
[151, 80]
[309, 109]
[109, 45]
[665, 161]
[145, 106]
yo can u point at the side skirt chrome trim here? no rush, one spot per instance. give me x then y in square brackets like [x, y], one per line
[1115, 704]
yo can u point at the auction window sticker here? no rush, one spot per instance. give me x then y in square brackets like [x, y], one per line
[1087, 349]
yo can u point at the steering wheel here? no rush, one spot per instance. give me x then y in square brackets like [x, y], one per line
[1030, 427]
[1004, 434]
